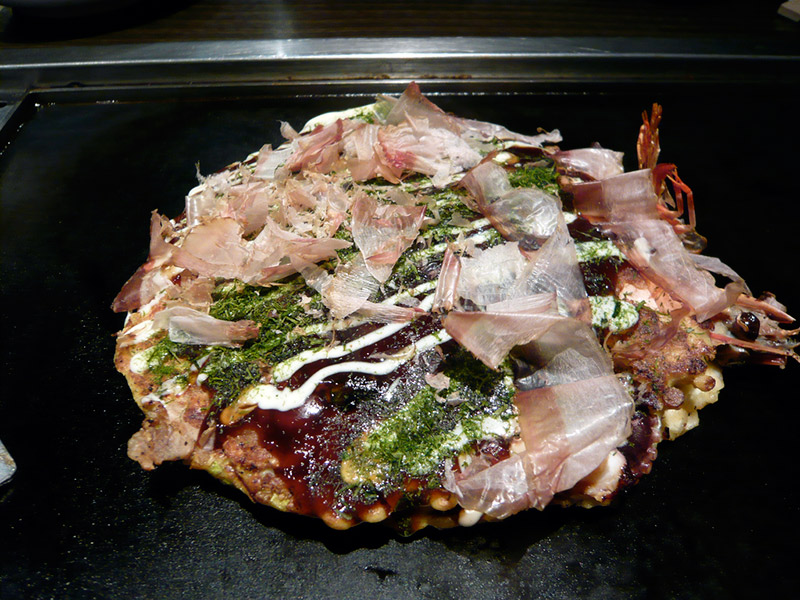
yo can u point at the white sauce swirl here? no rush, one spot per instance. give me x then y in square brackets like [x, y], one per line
[267, 396]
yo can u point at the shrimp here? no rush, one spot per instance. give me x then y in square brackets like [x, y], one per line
[648, 147]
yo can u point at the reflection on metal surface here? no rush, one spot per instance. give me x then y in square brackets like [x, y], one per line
[524, 59]
[10, 105]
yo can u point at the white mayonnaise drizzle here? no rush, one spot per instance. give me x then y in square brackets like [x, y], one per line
[289, 367]
[140, 361]
[468, 518]
[269, 397]
[569, 217]
[597, 251]
[332, 117]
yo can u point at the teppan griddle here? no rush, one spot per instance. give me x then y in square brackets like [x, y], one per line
[716, 518]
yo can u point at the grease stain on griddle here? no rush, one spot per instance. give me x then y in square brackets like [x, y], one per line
[381, 572]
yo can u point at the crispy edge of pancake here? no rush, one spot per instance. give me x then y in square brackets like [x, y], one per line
[176, 427]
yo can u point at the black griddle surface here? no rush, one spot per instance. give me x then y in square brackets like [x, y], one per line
[717, 517]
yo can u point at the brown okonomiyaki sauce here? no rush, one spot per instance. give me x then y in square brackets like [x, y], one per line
[599, 276]
[306, 444]
[581, 230]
